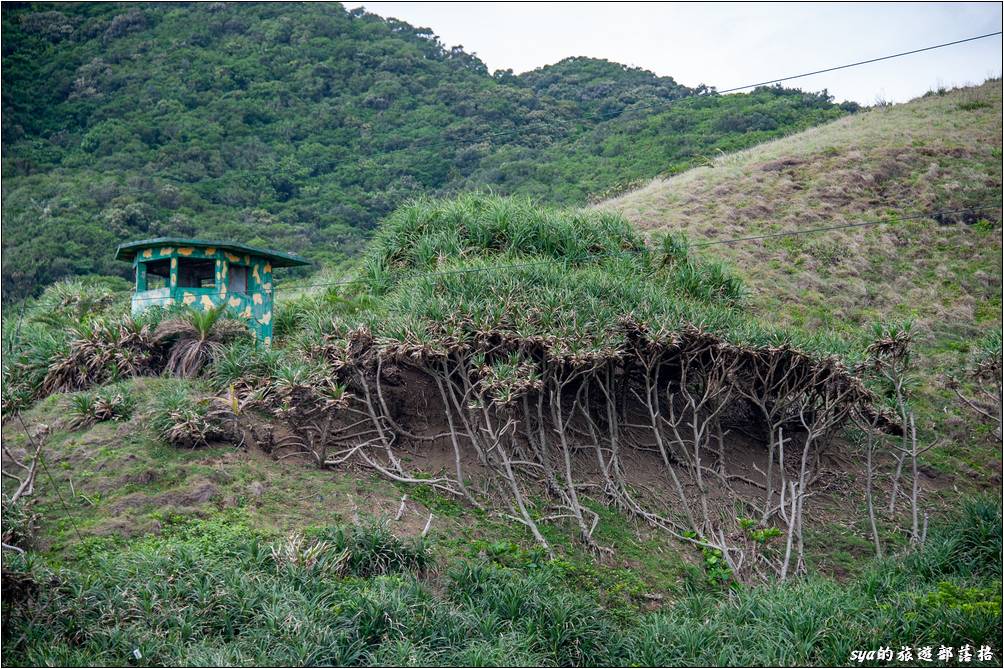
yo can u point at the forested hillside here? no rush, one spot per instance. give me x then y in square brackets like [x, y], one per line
[301, 126]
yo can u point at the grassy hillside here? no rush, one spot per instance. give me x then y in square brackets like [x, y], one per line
[300, 127]
[524, 434]
[455, 461]
[939, 152]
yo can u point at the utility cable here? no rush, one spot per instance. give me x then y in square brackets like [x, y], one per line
[666, 103]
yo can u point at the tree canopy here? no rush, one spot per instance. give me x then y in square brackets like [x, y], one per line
[300, 127]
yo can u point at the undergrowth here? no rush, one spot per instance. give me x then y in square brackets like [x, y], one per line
[218, 593]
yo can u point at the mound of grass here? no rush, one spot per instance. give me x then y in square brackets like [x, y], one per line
[483, 263]
[426, 234]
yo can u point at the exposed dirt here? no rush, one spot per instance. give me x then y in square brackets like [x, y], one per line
[195, 494]
[130, 491]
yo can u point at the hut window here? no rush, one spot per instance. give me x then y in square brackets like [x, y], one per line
[158, 274]
[237, 279]
[196, 273]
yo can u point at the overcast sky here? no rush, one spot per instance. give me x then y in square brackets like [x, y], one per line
[727, 45]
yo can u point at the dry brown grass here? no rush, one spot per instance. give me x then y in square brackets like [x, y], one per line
[938, 152]
[941, 152]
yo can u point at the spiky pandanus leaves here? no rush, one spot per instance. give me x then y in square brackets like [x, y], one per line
[891, 344]
[430, 233]
[550, 315]
[985, 362]
[191, 428]
[106, 404]
[507, 379]
[101, 352]
[25, 368]
[187, 421]
[552, 325]
[73, 301]
[315, 557]
[555, 289]
[299, 389]
[196, 339]
[984, 392]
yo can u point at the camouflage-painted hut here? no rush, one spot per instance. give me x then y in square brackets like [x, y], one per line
[205, 274]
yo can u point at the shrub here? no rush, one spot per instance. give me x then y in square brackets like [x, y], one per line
[195, 339]
[241, 361]
[971, 546]
[318, 558]
[307, 316]
[184, 421]
[73, 301]
[451, 269]
[373, 550]
[93, 352]
[26, 364]
[421, 236]
[111, 403]
[101, 352]
[291, 315]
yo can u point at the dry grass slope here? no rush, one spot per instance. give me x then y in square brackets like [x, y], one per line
[939, 152]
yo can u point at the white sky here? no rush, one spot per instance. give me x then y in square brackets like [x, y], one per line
[730, 44]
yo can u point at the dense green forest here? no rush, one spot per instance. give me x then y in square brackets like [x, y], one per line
[301, 126]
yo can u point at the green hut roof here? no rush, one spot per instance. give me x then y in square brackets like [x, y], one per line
[128, 250]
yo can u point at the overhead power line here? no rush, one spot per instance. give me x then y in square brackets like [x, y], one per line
[666, 103]
[861, 62]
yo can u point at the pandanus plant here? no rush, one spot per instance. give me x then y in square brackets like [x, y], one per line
[196, 338]
[101, 351]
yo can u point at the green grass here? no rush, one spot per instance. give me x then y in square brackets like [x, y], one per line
[221, 593]
[448, 269]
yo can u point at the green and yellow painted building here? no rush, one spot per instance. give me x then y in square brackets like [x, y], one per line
[205, 274]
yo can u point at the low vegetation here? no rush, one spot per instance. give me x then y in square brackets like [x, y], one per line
[196, 339]
[184, 420]
[563, 363]
[218, 593]
[108, 403]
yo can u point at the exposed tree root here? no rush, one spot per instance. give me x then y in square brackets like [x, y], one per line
[550, 433]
